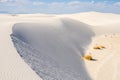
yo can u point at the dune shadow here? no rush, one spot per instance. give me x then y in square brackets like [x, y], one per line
[93, 59]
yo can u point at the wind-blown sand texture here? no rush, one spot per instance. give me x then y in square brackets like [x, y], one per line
[51, 47]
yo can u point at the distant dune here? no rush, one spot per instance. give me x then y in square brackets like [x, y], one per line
[51, 47]
[101, 22]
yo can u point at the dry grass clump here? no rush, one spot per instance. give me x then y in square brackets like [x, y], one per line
[88, 57]
[99, 47]
[96, 47]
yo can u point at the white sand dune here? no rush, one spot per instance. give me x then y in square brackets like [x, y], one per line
[95, 18]
[51, 46]
[12, 67]
[106, 22]
[62, 41]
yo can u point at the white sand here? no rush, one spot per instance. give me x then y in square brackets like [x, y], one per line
[105, 68]
[12, 66]
[101, 23]
[108, 60]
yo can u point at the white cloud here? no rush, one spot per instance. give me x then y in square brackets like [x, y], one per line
[74, 3]
[77, 6]
[15, 3]
[62, 7]
[117, 4]
[3, 0]
[8, 0]
[39, 3]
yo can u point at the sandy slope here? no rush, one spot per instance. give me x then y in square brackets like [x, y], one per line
[62, 40]
[106, 68]
[108, 62]
[12, 66]
[102, 23]
[95, 18]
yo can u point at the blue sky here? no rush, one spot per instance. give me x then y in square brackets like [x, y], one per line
[59, 6]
